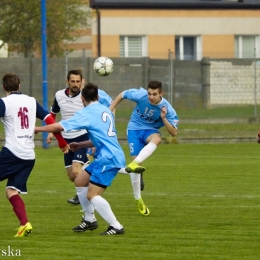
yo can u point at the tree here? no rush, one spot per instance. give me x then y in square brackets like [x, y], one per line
[20, 24]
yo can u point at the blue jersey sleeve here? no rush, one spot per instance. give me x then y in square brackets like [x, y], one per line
[134, 94]
[2, 108]
[41, 113]
[104, 98]
[171, 115]
[76, 122]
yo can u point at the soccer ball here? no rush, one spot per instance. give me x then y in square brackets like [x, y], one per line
[103, 66]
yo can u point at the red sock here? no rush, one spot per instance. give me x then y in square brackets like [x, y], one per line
[19, 209]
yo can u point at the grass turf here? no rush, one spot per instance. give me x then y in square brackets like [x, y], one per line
[204, 202]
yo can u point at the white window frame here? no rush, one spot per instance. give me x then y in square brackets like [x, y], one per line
[240, 46]
[126, 45]
[198, 46]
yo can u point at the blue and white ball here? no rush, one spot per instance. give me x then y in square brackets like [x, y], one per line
[103, 66]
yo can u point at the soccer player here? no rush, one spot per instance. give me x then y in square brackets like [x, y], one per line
[106, 100]
[17, 157]
[151, 113]
[98, 120]
[67, 102]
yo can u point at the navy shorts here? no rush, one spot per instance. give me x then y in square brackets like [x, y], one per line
[78, 156]
[15, 170]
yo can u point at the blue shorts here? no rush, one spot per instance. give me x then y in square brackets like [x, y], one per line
[137, 140]
[15, 170]
[100, 176]
[77, 156]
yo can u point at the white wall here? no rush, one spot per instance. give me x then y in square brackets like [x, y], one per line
[234, 84]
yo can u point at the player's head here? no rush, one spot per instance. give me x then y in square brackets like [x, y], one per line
[155, 92]
[77, 72]
[11, 82]
[90, 92]
[74, 80]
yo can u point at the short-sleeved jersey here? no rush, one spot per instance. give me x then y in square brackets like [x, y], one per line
[69, 105]
[18, 113]
[98, 120]
[146, 115]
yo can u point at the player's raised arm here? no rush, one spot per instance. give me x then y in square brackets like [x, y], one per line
[170, 128]
[117, 100]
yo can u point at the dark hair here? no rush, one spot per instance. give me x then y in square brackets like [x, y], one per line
[90, 92]
[154, 84]
[74, 72]
[11, 82]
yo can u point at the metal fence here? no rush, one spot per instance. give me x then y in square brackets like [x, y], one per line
[207, 83]
[207, 91]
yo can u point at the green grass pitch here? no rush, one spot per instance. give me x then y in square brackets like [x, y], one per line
[204, 202]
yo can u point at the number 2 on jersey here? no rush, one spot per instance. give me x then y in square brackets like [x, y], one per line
[105, 117]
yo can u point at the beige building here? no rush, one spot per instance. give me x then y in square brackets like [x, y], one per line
[189, 29]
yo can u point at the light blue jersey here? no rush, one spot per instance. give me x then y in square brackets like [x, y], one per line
[146, 115]
[98, 120]
[104, 98]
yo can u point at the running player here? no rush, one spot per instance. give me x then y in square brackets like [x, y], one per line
[17, 157]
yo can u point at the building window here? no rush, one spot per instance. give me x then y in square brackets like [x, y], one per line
[133, 46]
[247, 46]
[188, 48]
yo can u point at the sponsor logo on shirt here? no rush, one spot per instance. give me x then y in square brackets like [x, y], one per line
[24, 136]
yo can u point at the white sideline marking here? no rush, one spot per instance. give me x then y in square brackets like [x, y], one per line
[241, 206]
[217, 157]
[192, 195]
[163, 194]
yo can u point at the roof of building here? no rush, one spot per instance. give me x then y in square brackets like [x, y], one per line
[175, 4]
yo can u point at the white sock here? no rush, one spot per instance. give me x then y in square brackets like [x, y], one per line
[135, 179]
[104, 210]
[87, 207]
[145, 152]
[122, 170]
